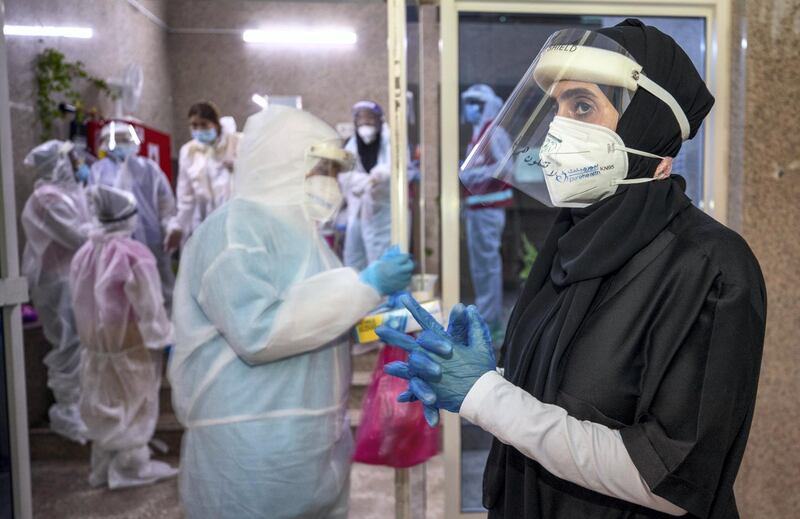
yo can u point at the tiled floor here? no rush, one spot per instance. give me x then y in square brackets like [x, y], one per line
[60, 491]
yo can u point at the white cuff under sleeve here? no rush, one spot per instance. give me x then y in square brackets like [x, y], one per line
[585, 453]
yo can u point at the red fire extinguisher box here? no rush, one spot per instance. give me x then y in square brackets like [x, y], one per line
[155, 144]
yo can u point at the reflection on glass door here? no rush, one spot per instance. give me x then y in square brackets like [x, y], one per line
[502, 229]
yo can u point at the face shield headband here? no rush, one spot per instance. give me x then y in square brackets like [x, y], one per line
[579, 82]
[115, 127]
[604, 67]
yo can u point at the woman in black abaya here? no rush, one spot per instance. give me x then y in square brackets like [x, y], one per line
[631, 359]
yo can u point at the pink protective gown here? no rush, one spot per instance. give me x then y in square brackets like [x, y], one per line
[124, 328]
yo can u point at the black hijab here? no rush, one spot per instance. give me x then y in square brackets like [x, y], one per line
[368, 153]
[586, 245]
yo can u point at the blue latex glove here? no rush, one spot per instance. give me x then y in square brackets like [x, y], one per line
[391, 273]
[442, 365]
[456, 328]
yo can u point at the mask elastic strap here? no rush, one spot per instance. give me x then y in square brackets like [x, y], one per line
[655, 89]
[636, 152]
[662, 172]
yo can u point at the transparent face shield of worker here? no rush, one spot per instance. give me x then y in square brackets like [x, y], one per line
[121, 139]
[554, 138]
[323, 197]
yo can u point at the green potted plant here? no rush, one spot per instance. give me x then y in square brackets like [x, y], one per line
[56, 80]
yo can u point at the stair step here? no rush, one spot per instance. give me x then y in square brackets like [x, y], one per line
[361, 378]
[47, 445]
[170, 431]
[355, 419]
[165, 399]
[365, 362]
[358, 389]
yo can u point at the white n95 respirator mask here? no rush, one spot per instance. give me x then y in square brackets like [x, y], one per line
[368, 133]
[323, 197]
[584, 163]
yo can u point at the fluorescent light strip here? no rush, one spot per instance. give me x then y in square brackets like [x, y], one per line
[300, 37]
[112, 136]
[260, 101]
[134, 136]
[47, 30]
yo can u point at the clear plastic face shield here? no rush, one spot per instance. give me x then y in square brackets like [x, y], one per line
[119, 135]
[554, 138]
[324, 162]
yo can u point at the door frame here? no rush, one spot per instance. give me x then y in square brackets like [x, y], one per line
[13, 292]
[717, 14]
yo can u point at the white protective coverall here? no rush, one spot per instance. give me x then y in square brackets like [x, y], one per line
[124, 329]
[369, 211]
[205, 177]
[261, 366]
[156, 206]
[56, 221]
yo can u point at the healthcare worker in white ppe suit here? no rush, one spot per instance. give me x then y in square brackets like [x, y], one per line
[205, 170]
[261, 366]
[367, 187]
[124, 169]
[124, 329]
[484, 208]
[56, 221]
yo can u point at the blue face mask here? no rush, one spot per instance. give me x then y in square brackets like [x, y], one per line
[123, 151]
[205, 136]
[82, 174]
[472, 113]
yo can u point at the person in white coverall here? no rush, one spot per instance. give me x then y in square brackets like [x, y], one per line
[123, 168]
[124, 329]
[56, 222]
[205, 170]
[484, 210]
[367, 188]
[260, 370]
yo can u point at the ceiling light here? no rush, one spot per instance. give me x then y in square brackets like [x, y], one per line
[300, 36]
[45, 30]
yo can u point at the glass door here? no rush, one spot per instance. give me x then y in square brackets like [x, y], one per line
[486, 49]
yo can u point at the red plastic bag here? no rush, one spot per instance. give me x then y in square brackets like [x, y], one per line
[393, 433]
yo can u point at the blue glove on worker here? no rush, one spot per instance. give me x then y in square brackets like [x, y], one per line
[389, 274]
[443, 365]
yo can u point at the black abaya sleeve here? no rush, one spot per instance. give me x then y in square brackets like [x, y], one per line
[693, 420]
